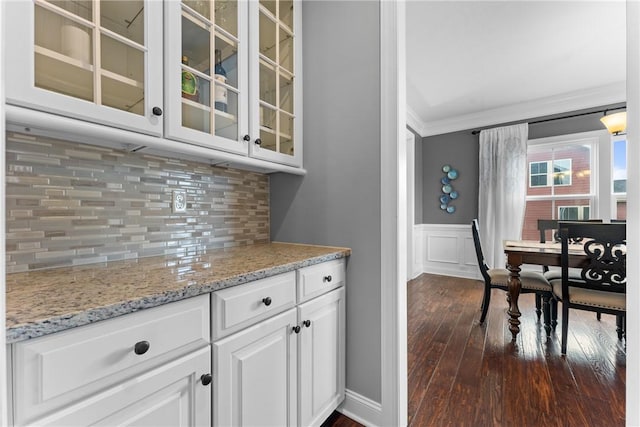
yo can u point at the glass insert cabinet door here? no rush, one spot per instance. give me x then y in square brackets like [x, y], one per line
[206, 64]
[94, 60]
[276, 64]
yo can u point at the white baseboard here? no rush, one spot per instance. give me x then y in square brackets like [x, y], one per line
[445, 249]
[452, 273]
[361, 409]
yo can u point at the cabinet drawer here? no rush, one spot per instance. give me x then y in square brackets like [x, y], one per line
[62, 368]
[241, 306]
[169, 395]
[317, 279]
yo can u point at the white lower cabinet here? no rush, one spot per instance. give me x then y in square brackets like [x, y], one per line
[143, 368]
[278, 359]
[173, 396]
[321, 357]
[288, 369]
[255, 375]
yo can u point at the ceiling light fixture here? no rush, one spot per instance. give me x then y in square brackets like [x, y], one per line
[616, 123]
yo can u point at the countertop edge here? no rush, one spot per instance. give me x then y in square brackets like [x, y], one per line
[22, 332]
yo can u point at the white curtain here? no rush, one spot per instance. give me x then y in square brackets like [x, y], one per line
[503, 180]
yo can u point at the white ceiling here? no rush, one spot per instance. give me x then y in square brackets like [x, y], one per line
[480, 63]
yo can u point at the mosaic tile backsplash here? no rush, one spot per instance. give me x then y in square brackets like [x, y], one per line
[71, 204]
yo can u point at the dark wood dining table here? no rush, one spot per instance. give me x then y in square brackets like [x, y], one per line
[521, 252]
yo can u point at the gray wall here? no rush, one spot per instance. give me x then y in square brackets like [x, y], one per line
[338, 201]
[418, 177]
[460, 150]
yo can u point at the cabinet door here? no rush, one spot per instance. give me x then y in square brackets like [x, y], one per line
[275, 78]
[59, 370]
[172, 395]
[99, 61]
[255, 375]
[321, 357]
[206, 73]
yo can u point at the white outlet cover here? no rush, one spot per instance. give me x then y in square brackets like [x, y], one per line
[179, 201]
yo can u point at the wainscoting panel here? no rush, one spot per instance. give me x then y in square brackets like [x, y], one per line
[442, 248]
[445, 249]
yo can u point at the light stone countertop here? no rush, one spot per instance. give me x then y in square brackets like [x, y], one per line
[47, 301]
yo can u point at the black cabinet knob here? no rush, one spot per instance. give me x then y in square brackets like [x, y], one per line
[206, 379]
[296, 329]
[141, 347]
[258, 141]
[246, 138]
[157, 111]
[267, 301]
[307, 323]
[327, 278]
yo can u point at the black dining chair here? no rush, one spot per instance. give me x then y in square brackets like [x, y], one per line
[602, 283]
[498, 278]
[545, 225]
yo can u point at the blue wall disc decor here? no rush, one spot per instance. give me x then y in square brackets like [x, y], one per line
[448, 193]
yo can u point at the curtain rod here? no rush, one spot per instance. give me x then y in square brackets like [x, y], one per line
[475, 132]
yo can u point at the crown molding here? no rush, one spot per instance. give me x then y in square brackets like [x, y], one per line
[414, 122]
[572, 101]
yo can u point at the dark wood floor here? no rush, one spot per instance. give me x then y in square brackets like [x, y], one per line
[462, 373]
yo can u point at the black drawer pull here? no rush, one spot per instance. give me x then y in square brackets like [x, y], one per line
[267, 301]
[206, 379]
[307, 323]
[296, 329]
[141, 347]
[327, 278]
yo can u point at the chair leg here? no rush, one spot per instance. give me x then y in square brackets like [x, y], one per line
[546, 309]
[598, 315]
[485, 302]
[538, 305]
[554, 313]
[620, 326]
[565, 327]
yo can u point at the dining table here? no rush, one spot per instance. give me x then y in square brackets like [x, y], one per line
[519, 252]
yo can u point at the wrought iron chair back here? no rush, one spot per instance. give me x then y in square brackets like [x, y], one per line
[545, 225]
[606, 248]
[602, 277]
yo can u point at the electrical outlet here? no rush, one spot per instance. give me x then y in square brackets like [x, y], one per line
[179, 201]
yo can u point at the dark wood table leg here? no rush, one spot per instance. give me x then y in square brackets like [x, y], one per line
[513, 265]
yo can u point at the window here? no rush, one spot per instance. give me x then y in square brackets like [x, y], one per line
[575, 177]
[541, 174]
[619, 178]
[538, 174]
[562, 172]
[561, 182]
[573, 213]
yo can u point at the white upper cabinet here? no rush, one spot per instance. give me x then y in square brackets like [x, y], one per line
[232, 76]
[275, 71]
[224, 75]
[97, 61]
[206, 68]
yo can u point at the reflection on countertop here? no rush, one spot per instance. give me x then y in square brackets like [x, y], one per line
[46, 301]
